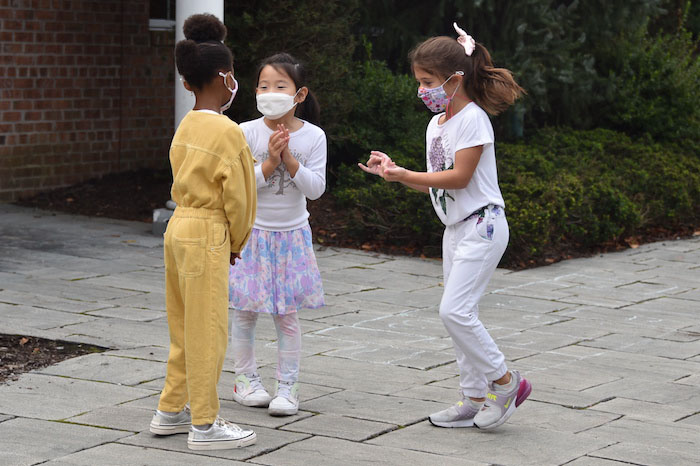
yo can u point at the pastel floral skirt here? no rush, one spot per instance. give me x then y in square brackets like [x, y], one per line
[277, 273]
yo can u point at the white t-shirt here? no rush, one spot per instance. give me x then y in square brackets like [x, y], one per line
[470, 127]
[281, 198]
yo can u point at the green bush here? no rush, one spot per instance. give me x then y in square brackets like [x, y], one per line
[657, 88]
[564, 190]
[387, 117]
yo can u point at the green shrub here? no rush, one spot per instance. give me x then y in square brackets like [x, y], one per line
[657, 88]
[564, 190]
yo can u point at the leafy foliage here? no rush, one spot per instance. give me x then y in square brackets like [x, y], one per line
[317, 32]
[657, 88]
[564, 190]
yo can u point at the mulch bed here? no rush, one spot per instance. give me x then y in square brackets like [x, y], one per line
[20, 354]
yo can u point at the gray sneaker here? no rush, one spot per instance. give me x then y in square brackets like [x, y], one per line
[222, 435]
[461, 414]
[500, 404]
[169, 424]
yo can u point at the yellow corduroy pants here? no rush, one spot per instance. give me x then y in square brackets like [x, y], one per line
[197, 254]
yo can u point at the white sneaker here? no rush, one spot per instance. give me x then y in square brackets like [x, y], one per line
[222, 435]
[501, 402]
[461, 414]
[286, 400]
[169, 424]
[248, 390]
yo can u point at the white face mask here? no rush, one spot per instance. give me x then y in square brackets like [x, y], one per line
[275, 105]
[233, 91]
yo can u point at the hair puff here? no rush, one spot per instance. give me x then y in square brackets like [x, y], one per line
[203, 28]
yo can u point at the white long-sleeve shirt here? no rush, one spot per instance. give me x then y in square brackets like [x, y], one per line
[281, 198]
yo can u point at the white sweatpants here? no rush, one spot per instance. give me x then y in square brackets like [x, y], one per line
[470, 253]
[288, 344]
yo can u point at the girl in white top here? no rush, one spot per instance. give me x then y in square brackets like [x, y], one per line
[457, 77]
[277, 273]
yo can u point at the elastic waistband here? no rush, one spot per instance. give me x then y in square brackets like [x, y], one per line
[199, 212]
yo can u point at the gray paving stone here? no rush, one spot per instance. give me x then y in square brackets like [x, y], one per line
[52, 397]
[118, 417]
[380, 408]
[652, 391]
[397, 356]
[29, 298]
[501, 300]
[558, 418]
[155, 301]
[385, 379]
[419, 298]
[350, 335]
[129, 313]
[608, 383]
[149, 353]
[103, 367]
[140, 280]
[648, 442]
[320, 450]
[380, 278]
[118, 454]
[267, 440]
[412, 266]
[17, 316]
[120, 333]
[646, 410]
[592, 461]
[24, 441]
[535, 446]
[343, 427]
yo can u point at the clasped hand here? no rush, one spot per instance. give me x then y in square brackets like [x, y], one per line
[278, 145]
[381, 164]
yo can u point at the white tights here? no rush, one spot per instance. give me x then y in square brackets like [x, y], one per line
[288, 344]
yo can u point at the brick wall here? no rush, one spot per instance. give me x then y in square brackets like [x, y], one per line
[85, 89]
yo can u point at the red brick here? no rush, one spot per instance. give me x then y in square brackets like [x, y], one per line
[11, 116]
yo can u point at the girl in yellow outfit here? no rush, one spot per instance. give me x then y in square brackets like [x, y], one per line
[214, 188]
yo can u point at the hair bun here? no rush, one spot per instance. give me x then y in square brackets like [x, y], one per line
[204, 27]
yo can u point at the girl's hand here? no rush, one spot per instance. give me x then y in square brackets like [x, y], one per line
[288, 159]
[377, 163]
[278, 141]
[234, 256]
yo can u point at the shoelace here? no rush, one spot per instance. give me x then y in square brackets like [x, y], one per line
[221, 422]
[284, 390]
[256, 383]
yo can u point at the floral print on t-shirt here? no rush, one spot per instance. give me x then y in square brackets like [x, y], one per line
[436, 156]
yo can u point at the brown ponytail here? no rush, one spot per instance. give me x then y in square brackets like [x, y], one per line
[493, 89]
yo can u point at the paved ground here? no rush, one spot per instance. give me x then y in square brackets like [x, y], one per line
[611, 344]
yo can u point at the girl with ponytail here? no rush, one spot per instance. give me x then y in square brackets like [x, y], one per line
[277, 274]
[458, 81]
[214, 188]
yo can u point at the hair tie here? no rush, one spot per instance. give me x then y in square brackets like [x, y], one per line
[465, 39]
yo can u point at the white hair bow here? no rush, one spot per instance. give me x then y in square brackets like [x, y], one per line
[465, 39]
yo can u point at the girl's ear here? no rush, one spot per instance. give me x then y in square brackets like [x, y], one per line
[187, 85]
[301, 95]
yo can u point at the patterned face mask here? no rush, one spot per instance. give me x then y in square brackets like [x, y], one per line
[436, 99]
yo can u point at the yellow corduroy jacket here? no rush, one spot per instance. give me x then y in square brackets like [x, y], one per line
[213, 168]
